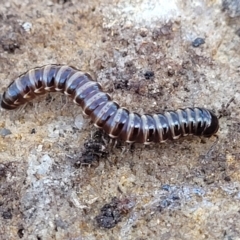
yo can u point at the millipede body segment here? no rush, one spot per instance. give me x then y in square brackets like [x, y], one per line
[116, 121]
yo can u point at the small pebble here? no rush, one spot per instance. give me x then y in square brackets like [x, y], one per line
[197, 42]
[7, 214]
[143, 32]
[80, 122]
[4, 132]
[175, 84]
[166, 187]
[27, 26]
[171, 72]
[33, 131]
[148, 75]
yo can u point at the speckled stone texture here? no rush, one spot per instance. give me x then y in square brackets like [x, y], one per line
[60, 179]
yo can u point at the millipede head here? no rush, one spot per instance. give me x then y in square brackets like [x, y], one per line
[213, 127]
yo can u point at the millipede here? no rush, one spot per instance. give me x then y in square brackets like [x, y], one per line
[116, 121]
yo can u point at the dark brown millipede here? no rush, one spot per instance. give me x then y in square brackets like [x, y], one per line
[116, 121]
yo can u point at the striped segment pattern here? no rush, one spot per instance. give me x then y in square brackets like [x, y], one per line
[116, 121]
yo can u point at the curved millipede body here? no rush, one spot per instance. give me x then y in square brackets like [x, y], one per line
[116, 121]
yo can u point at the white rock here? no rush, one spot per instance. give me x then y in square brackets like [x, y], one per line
[27, 26]
[80, 122]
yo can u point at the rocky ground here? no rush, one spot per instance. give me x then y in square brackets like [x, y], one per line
[59, 176]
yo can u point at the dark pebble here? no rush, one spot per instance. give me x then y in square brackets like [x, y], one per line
[197, 42]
